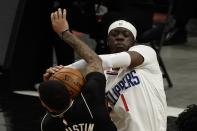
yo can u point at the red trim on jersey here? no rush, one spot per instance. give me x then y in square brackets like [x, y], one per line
[125, 103]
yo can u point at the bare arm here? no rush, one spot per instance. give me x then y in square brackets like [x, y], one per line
[94, 63]
[60, 25]
[136, 58]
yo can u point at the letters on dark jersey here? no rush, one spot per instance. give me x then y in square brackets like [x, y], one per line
[81, 127]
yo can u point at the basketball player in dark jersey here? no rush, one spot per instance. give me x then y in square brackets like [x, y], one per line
[88, 111]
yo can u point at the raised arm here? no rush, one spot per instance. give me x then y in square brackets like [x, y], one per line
[61, 27]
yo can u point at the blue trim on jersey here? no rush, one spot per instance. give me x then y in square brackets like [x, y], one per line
[129, 80]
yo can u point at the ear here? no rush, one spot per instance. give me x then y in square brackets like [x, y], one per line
[107, 41]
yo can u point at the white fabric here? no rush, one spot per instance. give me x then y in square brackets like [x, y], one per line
[122, 59]
[124, 24]
[108, 61]
[143, 90]
[80, 64]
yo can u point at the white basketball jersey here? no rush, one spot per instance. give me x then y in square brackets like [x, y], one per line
[138, 94]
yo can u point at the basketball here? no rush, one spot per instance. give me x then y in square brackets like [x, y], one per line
[71, 78]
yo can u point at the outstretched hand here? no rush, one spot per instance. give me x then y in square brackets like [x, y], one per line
[50, 71]
[59, 22]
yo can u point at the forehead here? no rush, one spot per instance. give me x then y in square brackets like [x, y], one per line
[120, 29]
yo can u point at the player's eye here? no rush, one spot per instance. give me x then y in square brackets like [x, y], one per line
[126, 33]
[114, 33]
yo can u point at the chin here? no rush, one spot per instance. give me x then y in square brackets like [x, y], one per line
[117, 50]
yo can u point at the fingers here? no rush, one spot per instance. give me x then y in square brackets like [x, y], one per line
[58, 14]
[57, 68]
[52, 17]
[61, 13]
[50, 71]
[46, 76]
[60, 66]
[55, 15]
[64, 13]
[54, 69]
[59, 22]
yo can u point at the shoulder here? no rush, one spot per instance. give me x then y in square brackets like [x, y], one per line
[148, 53]
[95, 76]
[95, 85]
[141, 48]
[48, 123]
[94, 81]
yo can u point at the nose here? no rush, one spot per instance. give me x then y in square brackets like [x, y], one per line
[120, 36]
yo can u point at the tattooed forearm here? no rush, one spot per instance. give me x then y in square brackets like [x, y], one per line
[79, 46]
[83, 51]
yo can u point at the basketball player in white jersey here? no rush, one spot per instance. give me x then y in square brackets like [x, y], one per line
[135, 88]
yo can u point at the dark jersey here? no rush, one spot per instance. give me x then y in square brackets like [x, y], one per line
[88, 112]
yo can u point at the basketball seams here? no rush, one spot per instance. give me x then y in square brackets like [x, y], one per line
[65, 82]
[73, 90]
[68, 75]
[73, 71]
[76, 74]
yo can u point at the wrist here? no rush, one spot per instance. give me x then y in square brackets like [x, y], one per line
[61, 34]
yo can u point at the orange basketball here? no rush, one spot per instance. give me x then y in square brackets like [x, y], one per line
[72, 79]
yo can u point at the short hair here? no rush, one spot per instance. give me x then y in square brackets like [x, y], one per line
[54, 94]
[187, 120]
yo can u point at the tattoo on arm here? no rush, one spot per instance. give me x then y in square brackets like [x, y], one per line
[85, 52]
